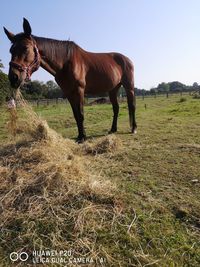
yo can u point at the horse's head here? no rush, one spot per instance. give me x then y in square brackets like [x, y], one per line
[25, 57]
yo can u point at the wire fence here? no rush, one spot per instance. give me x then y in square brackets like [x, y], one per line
[103, 100]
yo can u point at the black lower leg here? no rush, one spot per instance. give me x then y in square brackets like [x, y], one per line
[79, 117]
[115, 106]
[133, 125]
[115, 117]
[131, 108]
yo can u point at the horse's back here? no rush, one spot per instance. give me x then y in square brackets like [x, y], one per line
[104, 71]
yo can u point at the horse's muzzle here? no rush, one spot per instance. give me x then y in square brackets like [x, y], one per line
[15, 80]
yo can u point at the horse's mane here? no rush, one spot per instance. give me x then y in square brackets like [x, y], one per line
[56, 49]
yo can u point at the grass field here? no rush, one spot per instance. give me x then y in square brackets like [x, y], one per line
[157, 173]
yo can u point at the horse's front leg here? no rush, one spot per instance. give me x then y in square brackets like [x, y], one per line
[77, 101]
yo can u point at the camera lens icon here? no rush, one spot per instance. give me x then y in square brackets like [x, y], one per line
[22, 256]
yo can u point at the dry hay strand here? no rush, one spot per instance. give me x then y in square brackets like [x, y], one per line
[28, 124]
[48, 199]
[12, 123]
[106, 144]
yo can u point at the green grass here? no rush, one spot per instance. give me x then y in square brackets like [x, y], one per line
[157, 173]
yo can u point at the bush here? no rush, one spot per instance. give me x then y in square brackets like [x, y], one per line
[196, 96]
[4, 87]
[182, 99]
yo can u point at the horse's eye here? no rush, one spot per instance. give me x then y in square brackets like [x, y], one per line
[25, 50]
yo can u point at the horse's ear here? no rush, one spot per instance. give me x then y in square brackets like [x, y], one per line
[10, 35]
[27, 27]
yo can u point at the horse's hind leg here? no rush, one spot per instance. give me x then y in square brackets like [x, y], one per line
[131, 108]
[115, 105]
[131, 100]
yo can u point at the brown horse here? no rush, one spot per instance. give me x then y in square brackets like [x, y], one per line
[76, 71]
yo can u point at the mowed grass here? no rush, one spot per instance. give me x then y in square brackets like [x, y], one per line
[157, 173]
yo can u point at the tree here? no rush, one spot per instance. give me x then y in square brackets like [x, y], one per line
[163, 87]
[195, 85]
[1, 66]
[37, 90]
[153, 90]
[53, 90]
[4, 85]
[177, 87]
[34, 90]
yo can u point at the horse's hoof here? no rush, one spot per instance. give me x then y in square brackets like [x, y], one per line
[112, 131]
[80, 140]
[134, 131]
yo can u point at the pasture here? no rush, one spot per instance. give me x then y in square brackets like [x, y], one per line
[157, 178]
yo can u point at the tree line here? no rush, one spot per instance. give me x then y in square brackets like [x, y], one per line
[34, 90]
[170, 87]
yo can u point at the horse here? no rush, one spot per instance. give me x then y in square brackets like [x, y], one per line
[76, 71]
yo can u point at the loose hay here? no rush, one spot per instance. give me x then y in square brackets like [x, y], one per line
[48, 200]
[12, 123]
[109, 143]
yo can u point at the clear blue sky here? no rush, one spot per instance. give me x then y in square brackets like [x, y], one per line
[161, 37]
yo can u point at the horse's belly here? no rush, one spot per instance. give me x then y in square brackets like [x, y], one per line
[100, 82]
[99, 89]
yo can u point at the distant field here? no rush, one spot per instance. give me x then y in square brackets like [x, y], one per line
[157, 173]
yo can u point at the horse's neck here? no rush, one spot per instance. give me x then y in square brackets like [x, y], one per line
[50, 64]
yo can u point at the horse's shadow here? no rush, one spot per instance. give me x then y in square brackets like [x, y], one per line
[99, 135]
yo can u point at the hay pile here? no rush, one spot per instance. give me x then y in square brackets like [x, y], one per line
[105, 144]
[49, 197]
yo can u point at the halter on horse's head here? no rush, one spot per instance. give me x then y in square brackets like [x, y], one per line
[25, 56]
[29, 69]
